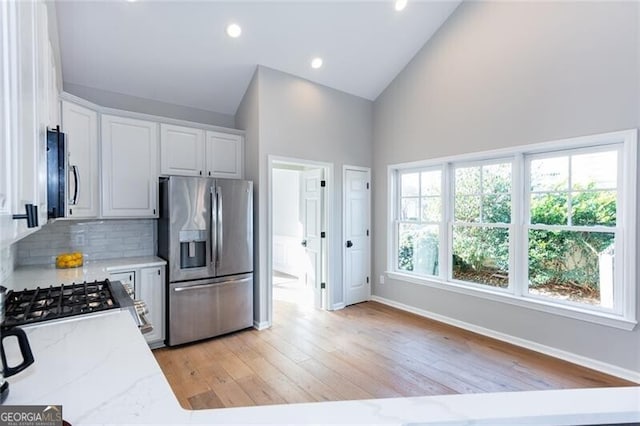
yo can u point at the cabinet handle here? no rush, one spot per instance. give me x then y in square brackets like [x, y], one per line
[200, 172]
[76, 187]
[209, 173]
[31, 214]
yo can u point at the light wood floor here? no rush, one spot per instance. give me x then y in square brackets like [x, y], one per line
[364, 351]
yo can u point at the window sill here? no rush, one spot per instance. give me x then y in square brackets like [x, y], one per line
[609, 320]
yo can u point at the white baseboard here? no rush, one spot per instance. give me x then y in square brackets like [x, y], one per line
[261, 325]
[337, 306]
[603, 367]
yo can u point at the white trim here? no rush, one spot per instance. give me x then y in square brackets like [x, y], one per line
[261, 325]
[603, 367]
[64, 96]
[329, 254]
[338, 306]
[367, 170]
[625, 141]
[536, 303]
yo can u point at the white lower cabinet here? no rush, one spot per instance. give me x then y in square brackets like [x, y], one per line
[152, 292]
[149, 286]
[129, 167]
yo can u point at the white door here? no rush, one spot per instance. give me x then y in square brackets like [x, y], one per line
[181, 151]
[129, 167]
[81, 128]
[312, 224]
[357, 249]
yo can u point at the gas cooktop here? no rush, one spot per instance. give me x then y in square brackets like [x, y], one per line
[42, 304]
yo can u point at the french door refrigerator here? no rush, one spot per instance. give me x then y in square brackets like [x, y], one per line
[205, 233]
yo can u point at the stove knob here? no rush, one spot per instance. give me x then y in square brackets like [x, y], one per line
[141, 307]
[128, 289]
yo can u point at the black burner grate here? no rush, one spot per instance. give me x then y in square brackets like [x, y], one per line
[41, 304]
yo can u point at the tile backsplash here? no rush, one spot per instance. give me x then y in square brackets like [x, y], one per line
[97, 239]
[7, 261]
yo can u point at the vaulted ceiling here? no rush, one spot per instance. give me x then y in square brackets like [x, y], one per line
[178, 51]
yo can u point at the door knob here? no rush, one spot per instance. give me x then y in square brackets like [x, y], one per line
[349, 244]
[304, 243]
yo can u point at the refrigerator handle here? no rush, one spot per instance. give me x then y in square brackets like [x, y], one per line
[219, 234]
[213, 209]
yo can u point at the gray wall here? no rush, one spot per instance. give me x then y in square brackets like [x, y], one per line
[247, 119]
[303, 120]
[97, 239]
[148, 106]
[500, 74]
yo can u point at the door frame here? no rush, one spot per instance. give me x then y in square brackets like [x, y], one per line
[344, 227]
[329, 256]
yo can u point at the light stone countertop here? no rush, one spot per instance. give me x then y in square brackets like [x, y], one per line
[46, 275]
[102, 372]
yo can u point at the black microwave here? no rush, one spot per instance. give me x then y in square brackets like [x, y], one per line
[56, 173]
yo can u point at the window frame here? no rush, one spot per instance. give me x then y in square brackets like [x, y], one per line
[451, 220]
[623, 314]
[398, 213]
[618, 288]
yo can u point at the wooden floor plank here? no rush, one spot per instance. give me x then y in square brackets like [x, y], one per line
[368, 350]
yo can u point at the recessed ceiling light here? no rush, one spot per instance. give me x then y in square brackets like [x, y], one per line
[401, 4]
[234, 30]
[316, 63]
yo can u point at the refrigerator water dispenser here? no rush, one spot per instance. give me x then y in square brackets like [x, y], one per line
[193, 249]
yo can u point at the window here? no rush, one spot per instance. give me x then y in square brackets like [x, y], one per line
[571, 226]
[481, 222]
[549, 226]
[420, 218]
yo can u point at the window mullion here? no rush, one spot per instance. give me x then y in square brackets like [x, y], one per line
[446, 194]
[518, 240]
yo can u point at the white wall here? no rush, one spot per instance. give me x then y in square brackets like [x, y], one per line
[287, 225]
[500, 74]
[300, 119]
[148, 106]
[286, 203]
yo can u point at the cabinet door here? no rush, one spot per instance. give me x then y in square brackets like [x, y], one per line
[152, 291]
[81, 127]
[129, 167]
[126, 277]
[8, 110]
[224, 155]
[181, 151]
[25, 139]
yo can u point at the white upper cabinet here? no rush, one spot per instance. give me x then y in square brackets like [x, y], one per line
[81, 128]
[187, 151]
[129, 167]
[25, 113]
[7, 119]
[181, 151]
[224, 155]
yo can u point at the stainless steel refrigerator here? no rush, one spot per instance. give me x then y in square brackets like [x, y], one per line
[205, 233]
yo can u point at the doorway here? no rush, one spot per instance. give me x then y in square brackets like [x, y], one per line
[298, 199]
